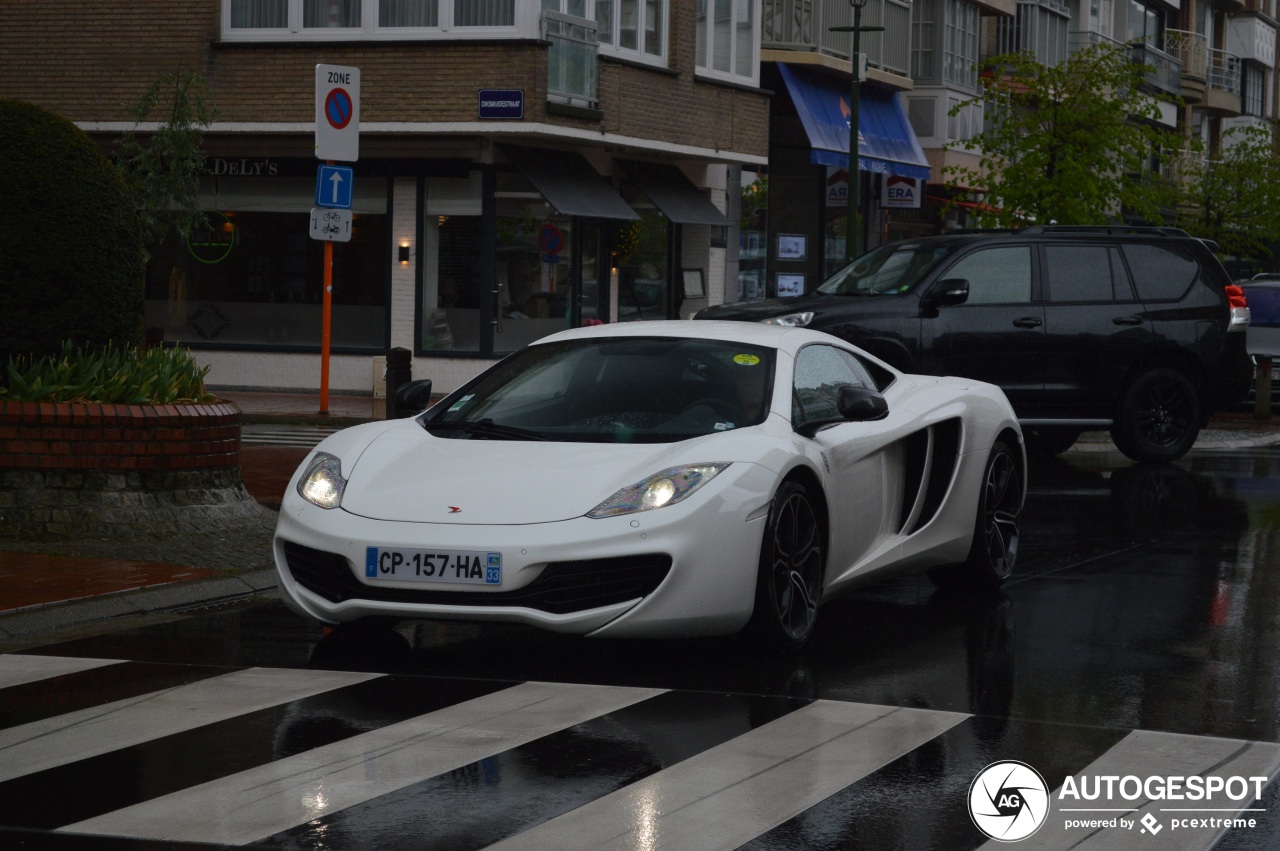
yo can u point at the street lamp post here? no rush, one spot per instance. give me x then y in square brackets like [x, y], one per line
[853, 232]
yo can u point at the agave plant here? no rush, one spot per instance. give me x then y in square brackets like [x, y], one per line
[112, 374]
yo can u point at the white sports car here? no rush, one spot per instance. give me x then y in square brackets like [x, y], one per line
[658, 479]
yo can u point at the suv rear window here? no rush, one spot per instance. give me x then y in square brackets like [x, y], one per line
[1161, 273]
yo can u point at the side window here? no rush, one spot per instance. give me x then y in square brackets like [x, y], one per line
[1161, 272]
[820, 370]
[996, 275]
[1090, 273]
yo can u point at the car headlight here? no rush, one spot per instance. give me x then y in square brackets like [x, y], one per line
[791, 320]
[322, 483]
[661, 489]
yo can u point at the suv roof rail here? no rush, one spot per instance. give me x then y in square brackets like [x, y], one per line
[1107, 229]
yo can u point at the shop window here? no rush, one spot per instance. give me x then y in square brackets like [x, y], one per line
[640, 252]
[255, 278]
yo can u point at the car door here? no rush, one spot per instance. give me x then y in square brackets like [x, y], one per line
[997, 333]
[860, 465]
[1095, 328]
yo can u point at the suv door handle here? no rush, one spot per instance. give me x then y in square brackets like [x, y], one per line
[1127, 320]
[1027, 322]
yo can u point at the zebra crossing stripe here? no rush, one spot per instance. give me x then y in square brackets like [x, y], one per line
[63, 739]
[1146, 754]
[301, 437]
[16, 669]
[264, 801]
[732, 793]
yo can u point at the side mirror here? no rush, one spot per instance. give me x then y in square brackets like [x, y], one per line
[949, 291]
[857, 404]
[853, 405]
[412, 398]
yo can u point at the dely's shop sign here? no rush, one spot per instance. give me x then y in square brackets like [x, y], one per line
[1009, 801]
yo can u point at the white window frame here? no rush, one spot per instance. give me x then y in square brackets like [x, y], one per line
[706, 33]
[611, 45]
[526, 25]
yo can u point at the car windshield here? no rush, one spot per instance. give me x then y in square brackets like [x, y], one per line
[614, 390]
[889, 269]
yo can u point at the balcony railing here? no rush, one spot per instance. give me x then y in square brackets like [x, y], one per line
[805, 25]
[1164, 72]
[572, 59]
[1190, 49]
[1223, 71]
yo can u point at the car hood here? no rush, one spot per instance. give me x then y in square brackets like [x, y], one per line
[406, 474]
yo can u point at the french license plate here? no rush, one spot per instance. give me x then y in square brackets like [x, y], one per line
[468, 567]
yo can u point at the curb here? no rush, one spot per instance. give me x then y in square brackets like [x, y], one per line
[41, 620]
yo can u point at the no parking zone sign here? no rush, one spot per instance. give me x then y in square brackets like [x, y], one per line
[337, 113]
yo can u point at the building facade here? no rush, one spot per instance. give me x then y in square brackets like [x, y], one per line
[522, 167]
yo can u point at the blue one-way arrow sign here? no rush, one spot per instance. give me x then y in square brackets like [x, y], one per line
[333, 186]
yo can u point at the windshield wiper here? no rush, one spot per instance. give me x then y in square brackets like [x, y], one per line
[486, 428]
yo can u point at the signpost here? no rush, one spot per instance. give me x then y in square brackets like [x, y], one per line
[337, 138]
[337, 113]
[330, 225]
[333, 186]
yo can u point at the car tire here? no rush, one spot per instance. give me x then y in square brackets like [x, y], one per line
[1159, 417]
[996, 529]
[793, 558]
[1051, 441]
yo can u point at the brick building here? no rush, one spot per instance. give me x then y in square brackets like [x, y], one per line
[597, 190]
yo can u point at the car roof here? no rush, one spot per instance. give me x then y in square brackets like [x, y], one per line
[751, 333]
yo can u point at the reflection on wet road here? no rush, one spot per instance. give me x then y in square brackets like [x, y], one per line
[1139, 635]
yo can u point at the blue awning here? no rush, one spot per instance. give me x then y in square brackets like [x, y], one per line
[886, 142]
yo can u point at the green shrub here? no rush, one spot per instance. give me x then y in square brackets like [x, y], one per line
[71, 258]
[110, 374]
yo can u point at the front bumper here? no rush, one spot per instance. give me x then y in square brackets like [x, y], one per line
[607, 577]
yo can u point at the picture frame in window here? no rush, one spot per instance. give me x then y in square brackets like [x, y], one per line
[695, 286]
[790, 285]
[792, 246]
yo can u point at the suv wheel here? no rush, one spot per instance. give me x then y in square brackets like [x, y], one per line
[1050, 441]
[1159, 417]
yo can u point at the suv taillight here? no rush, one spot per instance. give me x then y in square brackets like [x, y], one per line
[1240, 317]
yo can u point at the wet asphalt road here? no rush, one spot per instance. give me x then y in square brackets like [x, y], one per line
[1146, 599]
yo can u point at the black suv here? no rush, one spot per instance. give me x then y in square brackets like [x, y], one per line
[1138, 330]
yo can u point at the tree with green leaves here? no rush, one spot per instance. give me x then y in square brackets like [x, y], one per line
[1233, 198]
[164, 170]
[1069, 144]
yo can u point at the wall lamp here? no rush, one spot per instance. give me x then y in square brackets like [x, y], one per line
[404, 253]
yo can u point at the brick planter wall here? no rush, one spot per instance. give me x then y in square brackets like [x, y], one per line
[86, 470]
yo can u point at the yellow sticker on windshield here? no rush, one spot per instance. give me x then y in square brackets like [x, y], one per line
[746, 360]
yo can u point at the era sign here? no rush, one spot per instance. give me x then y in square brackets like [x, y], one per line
[900, 192]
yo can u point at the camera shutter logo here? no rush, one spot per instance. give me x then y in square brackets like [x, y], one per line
[1008, 801]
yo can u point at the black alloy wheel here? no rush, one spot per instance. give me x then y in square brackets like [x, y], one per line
[997, 529]
[792, 561]
[1050, 441]
[1159, 417]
